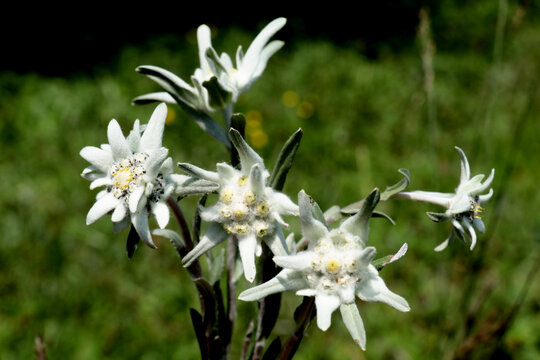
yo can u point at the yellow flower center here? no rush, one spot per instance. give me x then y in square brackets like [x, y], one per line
[242, 180]
[262, 208]
[226, 196]
[122, 178]
[332, 266]
[249, 197]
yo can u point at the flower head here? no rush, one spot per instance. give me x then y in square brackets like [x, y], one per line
[463, 207]
[246, 209]
[205, 94]
[136, 173]
[334, 269]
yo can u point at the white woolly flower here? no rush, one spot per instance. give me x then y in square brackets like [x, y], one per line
[334, 269]
[246, 209]
[136, 173]
[462, 207]
[233, 80]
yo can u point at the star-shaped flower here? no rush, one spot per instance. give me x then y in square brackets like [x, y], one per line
[462, 207]
[136, 173]
[247, 209]
[334, 269]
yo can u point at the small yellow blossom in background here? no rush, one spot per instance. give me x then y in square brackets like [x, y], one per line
[290, 98]
[171, 116]
[257, 137]
[305, 109]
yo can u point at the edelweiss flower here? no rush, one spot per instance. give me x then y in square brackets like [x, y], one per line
[231, 79]
[246, 209]
[463, 206]
[335, 269]
[137, 175]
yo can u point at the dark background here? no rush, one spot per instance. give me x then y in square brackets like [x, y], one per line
[61, 40]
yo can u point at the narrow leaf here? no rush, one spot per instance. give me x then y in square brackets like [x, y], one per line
[354, 323]
[397, 187]
[273, 350]
[196, 320]
[132, 242]
[285, 160]
[209, 298]
[382, 262]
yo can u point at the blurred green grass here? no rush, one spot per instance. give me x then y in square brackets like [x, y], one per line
[362, 120]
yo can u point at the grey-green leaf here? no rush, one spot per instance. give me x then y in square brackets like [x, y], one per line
[285, 160]
[397, 187]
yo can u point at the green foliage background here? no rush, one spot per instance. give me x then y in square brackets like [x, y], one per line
[74, 286]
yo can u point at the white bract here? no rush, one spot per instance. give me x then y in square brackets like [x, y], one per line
[246, 209]
[136, 173]
[463, 206]
[334, 269]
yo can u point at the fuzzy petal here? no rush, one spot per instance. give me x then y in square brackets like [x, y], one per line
[484, 198]
[140, 222]
[155, 161]
[161, 212]
[204, 43]
[99, 158]
[465, 169]
[326, 305]
[285, 280]
[135, 198]
[353, 322]
[161, 96]
[119, 145]
[153, 134]
[283, 204]
[277, 243]
[485, 185]
[300, 262]
[471, 232]
[311, 228]
[373, 288]
[226, 172]
[199, 173]
[101, 181]
[247, 245]
[213, 236]
[120, 212]
[256, 180]
[102, 206]
[248, 156]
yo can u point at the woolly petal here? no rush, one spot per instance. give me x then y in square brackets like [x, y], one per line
[311, 228]
[277, 243]
[256, 180]
[283, 204]
[285, 280]
[373, 288]
[326, 305]
[484, 198]
[247, 245]
[99, 158]
[213, 236]
[140, 222]
[161, 96]
[153, 134]
[120, 212]
[119, 145]
[135, 198]
[444, 244]
[471, 232]
[353, 322]
[102, 181]
[465, 169]
[306, 292]
[485, 185]
[211, 214]
[268, 51]
[199, 173]
[102, 206]
[204, 42]
[300, 262]
[154, 163]
[248, 156]
[161, 212]
[226, 172]
[358, 224]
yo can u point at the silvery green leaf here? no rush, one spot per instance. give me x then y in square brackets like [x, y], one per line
[382, 262]
[353, 322]
[248, 156]
[397, 187]
[175, 238]
[359, 223]
[219, 97]
[437, 217]
[380, 214]
[285, 160]
[216, 264]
